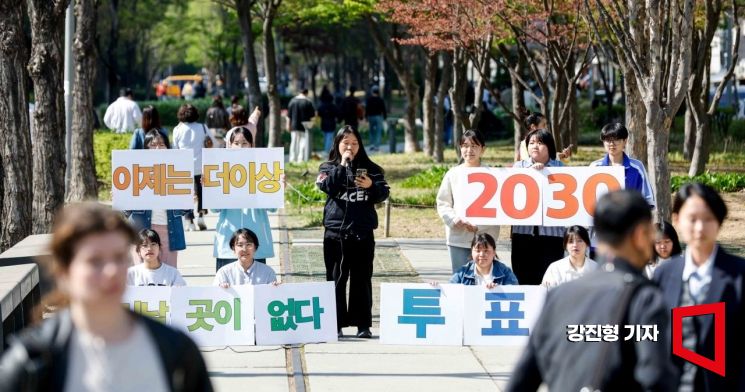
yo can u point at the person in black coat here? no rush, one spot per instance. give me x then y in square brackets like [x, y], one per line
[353, 185]
[617, 294]
[705, 274]
[96, 344]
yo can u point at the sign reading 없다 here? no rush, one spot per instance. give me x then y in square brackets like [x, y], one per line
[152, 179]
[242, 178]
[295, 313]
[554, 196]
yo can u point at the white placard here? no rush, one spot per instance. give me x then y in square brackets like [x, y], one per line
[421, 314]
[295, 313]
[570, 193]
[556, 196]
[152, 179]
[242, 178]
[213, 316]
[498, 196]
[152, 301]
[502, 316]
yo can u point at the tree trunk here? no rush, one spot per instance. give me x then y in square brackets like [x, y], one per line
[46, 70]
[478, 102]
[249, 58]
[411, 142]
[83, 185]
[112, 68]
[636, 113]
[15, 142]
[428, 103]
[702, 146]
[518, 101]
[442, 92]
[458, 97]
[689, 138]
[270, 62]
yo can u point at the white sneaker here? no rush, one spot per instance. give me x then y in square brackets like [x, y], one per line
[201, 224]
[191, 227]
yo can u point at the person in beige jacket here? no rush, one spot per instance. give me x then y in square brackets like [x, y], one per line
[458, 231]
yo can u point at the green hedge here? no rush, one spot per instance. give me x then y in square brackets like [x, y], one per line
[104, 141]
[722, 182]
[430, 178]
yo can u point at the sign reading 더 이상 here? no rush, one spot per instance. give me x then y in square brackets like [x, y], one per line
[242, 178]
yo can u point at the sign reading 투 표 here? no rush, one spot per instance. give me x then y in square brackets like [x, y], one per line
[554, 196]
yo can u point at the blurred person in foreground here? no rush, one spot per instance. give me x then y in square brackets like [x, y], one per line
[95, 344]
[705, 273]
[617, 294]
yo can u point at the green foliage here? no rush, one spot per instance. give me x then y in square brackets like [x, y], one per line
[737, 129]
[104, 142]
[593, 120]
[426, 199]
[430, 178]
[722, 182]
[305, 193]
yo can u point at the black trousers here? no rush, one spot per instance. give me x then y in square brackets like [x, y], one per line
[531, 256]
[351, 259]
[198, 191]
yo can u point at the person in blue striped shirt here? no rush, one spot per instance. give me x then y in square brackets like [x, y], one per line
[614, 137]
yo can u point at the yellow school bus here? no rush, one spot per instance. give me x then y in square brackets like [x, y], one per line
[175, 82]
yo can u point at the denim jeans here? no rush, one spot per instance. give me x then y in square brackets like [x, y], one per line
[458, 257]
[376, 129]
[328, 141]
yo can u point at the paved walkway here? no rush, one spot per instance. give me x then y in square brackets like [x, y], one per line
[351, 364]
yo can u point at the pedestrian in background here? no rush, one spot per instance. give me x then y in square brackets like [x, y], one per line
[376, 116]
[329, 113]
[217, 121]
[123, 115]
[300, 110]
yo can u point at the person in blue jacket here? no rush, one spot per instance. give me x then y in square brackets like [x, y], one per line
[230, 220]
[150, 120]
[167, 223]
[484, 269]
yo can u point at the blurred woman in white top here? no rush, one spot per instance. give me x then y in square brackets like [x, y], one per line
[459, 232]
[189, 134]
[577, 264]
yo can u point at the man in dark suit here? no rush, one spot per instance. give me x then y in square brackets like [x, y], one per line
[705, 274]
[617, 294]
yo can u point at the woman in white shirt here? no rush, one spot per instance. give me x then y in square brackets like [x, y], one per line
[152, 272]
[189, 134]
[577, 264]
[666, 246]
[459, 232]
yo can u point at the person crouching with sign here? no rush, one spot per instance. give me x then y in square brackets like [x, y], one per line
[245, 270]
[152, 272]
[167, 223]
[484, 269]
[96, 344]
[354, 184]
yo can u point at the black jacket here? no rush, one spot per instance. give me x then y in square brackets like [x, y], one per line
[595, 299]
[37, 358]
[300, 109]
[728, 286]
[328, 113]
[350, 210]
[375, 106]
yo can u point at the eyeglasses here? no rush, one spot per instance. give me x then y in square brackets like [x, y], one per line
[613, 141]
[248, 245]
